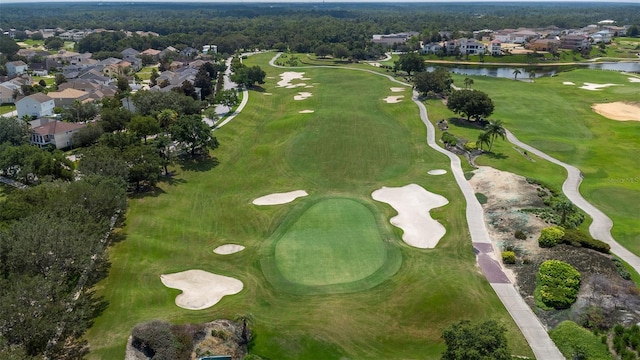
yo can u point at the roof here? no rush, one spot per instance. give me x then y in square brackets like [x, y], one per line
[39, 97]
[17, 63]
[151, 52]
[56, 127]
[67, 94]
[496, 41]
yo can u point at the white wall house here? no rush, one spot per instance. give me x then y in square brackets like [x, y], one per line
[46, 132]
[37, 105]
[496, 47]
[7, 90]
[470, 46]
[16, 68]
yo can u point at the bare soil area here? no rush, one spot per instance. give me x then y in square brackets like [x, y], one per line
[603, 291]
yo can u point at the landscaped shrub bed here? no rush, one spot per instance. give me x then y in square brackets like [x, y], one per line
[550, 236]
[558, 284]
[578, 238]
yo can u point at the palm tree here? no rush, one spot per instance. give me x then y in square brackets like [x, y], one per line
[516, 72]
[245, 320]
[532, 74]
[565, 208]
[468, 82]
[483, 139]
[494, 129]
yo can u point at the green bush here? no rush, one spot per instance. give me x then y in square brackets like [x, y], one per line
[569, 337]
[482, 198]
[449, 139]
[508, 257]
[520, 235]
[576, 237]
[622, 270]
[470, 146]
[550, 236]
[557, 285]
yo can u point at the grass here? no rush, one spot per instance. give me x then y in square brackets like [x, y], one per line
[564, 126]
[7, 108]
[145, 72]
[570, 338]
[202, 207]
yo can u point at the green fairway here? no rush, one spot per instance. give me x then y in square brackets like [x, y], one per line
[389, 300]
[564, 126]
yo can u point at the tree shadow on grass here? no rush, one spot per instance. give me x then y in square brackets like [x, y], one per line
[171, 180]
[199, 163]
[497, 156]
[146, 191]
[463, 123]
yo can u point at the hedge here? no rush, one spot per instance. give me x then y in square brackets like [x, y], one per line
[576, 237]
[558, 284]
[550, 236]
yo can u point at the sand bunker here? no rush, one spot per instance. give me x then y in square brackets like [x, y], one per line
[302, 96]
[228, 249]
[413, 203]
[267, 94]
[595, 87]
[279, 198]
[289, 76]
[200, 289]
[437, 172]
[393, 99]
[397, 89]
[376, 64]
[620, 111]
[567, 83]
[305, 111]
[634, 80]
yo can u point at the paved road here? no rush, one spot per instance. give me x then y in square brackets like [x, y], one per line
[531, 327]
[601, 226]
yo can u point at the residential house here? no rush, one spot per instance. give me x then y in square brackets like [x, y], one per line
[431, 48]
[189, 52]
[210, 49]
[151, 52]
[574, 42]
[602, 36]
[116, 70]
[470, 46]
[495, 47]
[522, 36]
[16, 68]
[129, 53]
[175, 65]
[391, 39]
[8, 92]
[169, 51]
[503, 35]
[549, 45]
[67, 97]
[95, 75]
[46, 132]
[36, 105]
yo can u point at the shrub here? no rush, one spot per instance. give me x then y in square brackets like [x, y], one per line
[470, 146]
[482, 198]
[576, 237]
[570, 337]
[557, 284]
[622, 270]
[449, 139]
[508, 257]
[550, 236]
[520, 235]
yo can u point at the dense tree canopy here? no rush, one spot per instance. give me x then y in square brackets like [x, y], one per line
[478, 341]
[194, 133]
[13, 131]
[411, 62]
[437, 82]
[470, 103]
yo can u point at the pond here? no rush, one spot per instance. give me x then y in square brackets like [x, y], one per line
[505, 71]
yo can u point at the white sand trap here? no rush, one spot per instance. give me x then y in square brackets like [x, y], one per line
[279, 198]
[437, 172]
[200, 289]
[620, 111]
[289, 76]
[397, 89]
[306, 111]
[267, 94]
[302, 96]
[228, 249]
[270, 77]
[567, 83]
[595, 87]
[308, 86]
[634, 80]
[393, 99]
[413, 203]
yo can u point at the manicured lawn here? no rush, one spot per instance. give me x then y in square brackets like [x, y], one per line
[558, 119]
[145, 72]
[6, 108]
[264, 150]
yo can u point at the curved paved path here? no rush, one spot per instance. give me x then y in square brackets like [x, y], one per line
[531, 327]
[601, 226]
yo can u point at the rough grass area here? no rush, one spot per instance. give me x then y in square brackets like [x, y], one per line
[572, 339]
[7, 108]
[209, 204]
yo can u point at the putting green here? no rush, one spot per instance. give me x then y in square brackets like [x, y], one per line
[331, 245]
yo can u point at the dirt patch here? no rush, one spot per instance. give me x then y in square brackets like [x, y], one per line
[620, 111]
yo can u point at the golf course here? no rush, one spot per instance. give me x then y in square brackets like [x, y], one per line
[356, 291]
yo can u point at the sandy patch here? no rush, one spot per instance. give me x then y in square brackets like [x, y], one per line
[270, 77]
[634, 80]
[200, 289]
[288, 76]
[413, 203]
[376, 64]
[279, 198]
[595, 87]
[267, 94]
[567, 83]
[308, 86]
[302, 96]
[306, 111]
[397, 89]
[620, 111]
[437, 172]
[393, 99]
[228, 249]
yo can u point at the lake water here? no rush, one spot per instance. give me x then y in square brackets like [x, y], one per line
[507, 71]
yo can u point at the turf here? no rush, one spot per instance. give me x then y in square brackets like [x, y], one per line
[209, 204]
